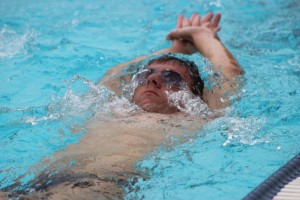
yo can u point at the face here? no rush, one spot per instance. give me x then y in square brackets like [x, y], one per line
[151, 96]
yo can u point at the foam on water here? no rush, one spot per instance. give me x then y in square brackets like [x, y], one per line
[187, 102]
[12, 44]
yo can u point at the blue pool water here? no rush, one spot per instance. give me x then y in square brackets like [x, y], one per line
[45, 45]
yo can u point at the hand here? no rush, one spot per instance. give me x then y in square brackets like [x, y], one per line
[179, 45]
[182, 35]
[211, 20]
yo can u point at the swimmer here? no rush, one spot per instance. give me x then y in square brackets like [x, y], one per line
[103, 162]
[190, 36]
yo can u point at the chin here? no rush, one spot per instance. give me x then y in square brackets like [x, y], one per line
[163, 109]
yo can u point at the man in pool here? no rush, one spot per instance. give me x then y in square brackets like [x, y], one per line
[104, 160]
[167, 73]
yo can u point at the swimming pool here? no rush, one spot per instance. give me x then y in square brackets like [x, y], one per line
[45, 45]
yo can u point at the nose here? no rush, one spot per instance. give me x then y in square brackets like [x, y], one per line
[154, 79]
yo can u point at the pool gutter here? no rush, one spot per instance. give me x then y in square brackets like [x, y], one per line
[275, 187]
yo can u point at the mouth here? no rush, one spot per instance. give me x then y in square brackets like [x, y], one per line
[150, 92]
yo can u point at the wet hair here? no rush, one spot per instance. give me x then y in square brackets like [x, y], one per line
[198, 84]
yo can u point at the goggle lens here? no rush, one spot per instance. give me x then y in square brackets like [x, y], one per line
[171, 78]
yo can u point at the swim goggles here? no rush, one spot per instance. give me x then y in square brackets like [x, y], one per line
[171, 78]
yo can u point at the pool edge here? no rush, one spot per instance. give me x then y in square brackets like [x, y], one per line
[278, 180]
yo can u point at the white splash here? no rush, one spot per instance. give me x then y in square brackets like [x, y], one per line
[187, 102]
[99, 100]
[243, 130]
[11, 43]
[117, 107]
[35, 120]
[216, 3]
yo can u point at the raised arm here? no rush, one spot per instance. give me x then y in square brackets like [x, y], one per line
[112, 81]
[202, 34]
[193, 35]
[178, 46]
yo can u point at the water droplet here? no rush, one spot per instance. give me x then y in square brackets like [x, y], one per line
[278, 148]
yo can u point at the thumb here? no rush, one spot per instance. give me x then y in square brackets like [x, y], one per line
[173, 35]
[183, 33]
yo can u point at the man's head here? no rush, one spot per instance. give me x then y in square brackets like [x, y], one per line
[165, 74]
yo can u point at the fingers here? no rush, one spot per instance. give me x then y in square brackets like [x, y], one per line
[172, 35]
[185, 22]
[216, 20]
[216, 29]
[206, 24]
[182, 34]
[192, 17]
[179, 21]
[207, 18]
[182, 21]
[195, 20]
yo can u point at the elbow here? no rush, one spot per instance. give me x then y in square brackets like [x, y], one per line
[235, 68]
[233, 71]
[237, 71]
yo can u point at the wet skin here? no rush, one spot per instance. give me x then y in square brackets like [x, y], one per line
[152, 96]
[108, 153]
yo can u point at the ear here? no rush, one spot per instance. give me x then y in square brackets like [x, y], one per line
[206, 95]
[200, 96]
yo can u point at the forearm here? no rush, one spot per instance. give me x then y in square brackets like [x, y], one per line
[221, 59]
[117, 69]
[112, 80]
